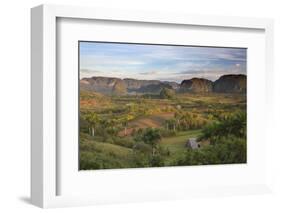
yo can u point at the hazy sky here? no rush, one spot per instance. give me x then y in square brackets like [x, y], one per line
[159, 62]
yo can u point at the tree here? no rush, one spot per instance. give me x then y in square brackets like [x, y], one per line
[167, 93]
[156, 161]
[229, 150]
[93, 119]
[171, 124]
[125, 121]
[232, 125]
[152, 137]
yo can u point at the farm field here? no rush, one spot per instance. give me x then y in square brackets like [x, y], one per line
[146, 131]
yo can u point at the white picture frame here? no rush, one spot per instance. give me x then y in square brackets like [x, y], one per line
[44, 84]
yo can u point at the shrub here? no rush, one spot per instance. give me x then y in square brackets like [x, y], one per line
[229, 150]
[151, 136]
[167, 93]
[232, 125]
[142, 147]
[156, 161]
[123, 142]
[167, 132]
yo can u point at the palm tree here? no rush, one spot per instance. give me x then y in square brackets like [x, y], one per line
[93, 119]
[125, 121]
[125, 124]
[171, 124]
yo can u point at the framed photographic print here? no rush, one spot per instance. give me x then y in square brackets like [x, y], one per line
[149, 106]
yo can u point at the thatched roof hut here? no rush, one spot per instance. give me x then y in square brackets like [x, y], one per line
[192, 143]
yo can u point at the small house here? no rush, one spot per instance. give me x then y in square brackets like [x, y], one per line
[192, 143]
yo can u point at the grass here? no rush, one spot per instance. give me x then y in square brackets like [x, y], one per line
[88, 143]
[99, 155]
[176, 144]
[106, 153]
[180, 139]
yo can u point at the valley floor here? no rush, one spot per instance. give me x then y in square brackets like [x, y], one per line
[148, 131]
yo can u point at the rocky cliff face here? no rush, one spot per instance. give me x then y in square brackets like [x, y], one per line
[153, 88]
[105, 85]
[231, 84]
[225, 84]
[196, 85]
[118, 86]
[134, 84]
[100, 84]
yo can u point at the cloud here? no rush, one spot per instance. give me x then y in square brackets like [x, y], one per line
[159, 61]
[149, 73]
[86, 73]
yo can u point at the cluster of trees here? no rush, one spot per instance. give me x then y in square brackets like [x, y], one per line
[186, 121]
[93, 124]
[227, 143]
[167, 93]
[147, 146]
[149, 136]
[109, 122]
[229, 125]
[228, 150]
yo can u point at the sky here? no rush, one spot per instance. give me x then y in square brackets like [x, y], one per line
[159, 62]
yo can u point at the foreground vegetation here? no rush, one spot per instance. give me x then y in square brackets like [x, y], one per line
[152, 130]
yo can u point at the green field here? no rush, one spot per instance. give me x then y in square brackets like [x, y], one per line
[133, 131]
[177, 143]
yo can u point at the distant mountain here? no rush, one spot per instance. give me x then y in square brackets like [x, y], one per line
[134, 84]
[225, 84]
[102, 85]
[118, 86]
[153, 88]
[107, 85]
[231, 84]
[196, 85]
